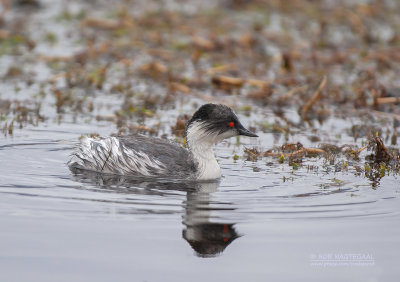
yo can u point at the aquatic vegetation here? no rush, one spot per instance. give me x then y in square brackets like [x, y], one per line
[291, 77]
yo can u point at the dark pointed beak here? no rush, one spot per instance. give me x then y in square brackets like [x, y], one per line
[245, 132]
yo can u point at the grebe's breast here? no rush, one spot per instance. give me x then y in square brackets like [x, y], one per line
[135, 155]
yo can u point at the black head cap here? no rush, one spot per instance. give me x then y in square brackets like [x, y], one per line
[219, 118]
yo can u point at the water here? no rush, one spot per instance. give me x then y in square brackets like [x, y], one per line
[251, 224]
[262, 221]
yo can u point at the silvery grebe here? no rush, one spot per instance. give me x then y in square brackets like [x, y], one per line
[144, 156]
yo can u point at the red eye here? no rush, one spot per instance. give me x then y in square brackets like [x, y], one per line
[231, 124]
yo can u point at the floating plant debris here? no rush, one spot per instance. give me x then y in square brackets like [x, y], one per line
[130, 68]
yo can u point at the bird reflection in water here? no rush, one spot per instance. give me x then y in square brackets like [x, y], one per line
[208, 239]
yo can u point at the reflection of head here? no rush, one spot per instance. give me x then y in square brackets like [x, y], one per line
[209, 239]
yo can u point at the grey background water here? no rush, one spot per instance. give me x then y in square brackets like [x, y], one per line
[262, 221]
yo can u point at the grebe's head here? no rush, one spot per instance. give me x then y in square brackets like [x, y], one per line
[212, 123]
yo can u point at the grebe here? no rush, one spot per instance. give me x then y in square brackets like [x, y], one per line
[144, 156]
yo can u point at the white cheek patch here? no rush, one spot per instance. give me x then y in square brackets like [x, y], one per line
[198, 133]
[227, 134]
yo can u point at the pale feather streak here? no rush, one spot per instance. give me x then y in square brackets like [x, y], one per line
[109, 155]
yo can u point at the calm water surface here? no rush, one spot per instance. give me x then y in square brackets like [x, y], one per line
[253, 224]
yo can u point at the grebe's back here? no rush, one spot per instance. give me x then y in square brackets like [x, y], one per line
[134, 155]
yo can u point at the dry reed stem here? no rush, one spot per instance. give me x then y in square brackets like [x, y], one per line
[315, 97]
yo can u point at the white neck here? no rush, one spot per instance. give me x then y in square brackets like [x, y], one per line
[200, 145]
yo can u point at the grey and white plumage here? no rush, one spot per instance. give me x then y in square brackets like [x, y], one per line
[144, 156]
